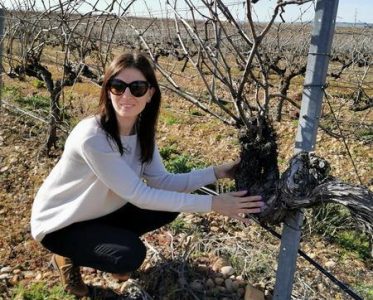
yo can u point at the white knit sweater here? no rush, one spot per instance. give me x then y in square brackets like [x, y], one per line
[91, 180]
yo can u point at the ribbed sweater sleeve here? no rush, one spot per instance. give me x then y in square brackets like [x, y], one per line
[115, 173]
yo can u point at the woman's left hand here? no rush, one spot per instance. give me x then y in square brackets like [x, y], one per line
[227, 170]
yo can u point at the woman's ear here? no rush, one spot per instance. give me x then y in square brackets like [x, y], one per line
[151, 93]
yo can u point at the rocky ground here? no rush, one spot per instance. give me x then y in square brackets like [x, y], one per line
[196, 257]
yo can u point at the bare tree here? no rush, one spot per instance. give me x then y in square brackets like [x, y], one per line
[83, 38]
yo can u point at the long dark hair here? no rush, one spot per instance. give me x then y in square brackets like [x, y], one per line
[147, 121]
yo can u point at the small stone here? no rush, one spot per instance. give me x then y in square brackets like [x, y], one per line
[214, 228]
[219, 280]
[320, 287]
[219, 263]
[235, 285]
[28, 274]
[48, 274]
[251, 293]
[5, 270]
[4, 276]
[14, 280]
[239, 278]
[196, 285]
[312, 255]
[222, 289]
[17, 271]
[38, 276]
[210, 283]
[228, 284]
[227, 270]
[13, 160]
[3, 169]
[330, 264]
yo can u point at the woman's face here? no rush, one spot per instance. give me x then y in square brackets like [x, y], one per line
[128, 106]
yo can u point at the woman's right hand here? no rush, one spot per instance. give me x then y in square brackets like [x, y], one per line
[236, 205]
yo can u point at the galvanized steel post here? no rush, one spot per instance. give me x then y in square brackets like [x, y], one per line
[317, 66]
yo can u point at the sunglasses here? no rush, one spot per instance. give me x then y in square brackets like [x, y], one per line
[138, 88]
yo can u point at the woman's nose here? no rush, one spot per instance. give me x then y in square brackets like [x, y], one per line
[127, 92]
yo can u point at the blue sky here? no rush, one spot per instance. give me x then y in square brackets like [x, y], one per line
[348, 10]
[363, 9]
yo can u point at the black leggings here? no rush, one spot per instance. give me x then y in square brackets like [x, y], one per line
[110, 243]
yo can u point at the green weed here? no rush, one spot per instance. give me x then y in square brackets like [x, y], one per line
[171, 120]
[40, 291]
[167, 151]
[336, 224]
[11, 91]
[35, 102]
[182, 164]
[366, 291]
[176, 162]
[365, 133]
[31, 102]
[353, 241]
[178, 225]
[38, 84]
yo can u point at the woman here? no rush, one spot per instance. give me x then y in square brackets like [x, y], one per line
[110, 185]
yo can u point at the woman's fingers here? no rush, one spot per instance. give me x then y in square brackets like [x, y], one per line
[242, 194]
[251, 204]
[251, 201]
[252, 198]
[246, 211]
[254, 210]
[237, 205]
[239, 193]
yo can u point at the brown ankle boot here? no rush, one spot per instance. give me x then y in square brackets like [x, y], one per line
[70, 276]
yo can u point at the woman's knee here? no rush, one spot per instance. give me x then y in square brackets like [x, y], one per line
[120, 259]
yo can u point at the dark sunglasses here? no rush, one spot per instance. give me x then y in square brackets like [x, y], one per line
[138, 88]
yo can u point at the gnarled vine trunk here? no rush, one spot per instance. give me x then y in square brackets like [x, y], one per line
[305, 183]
